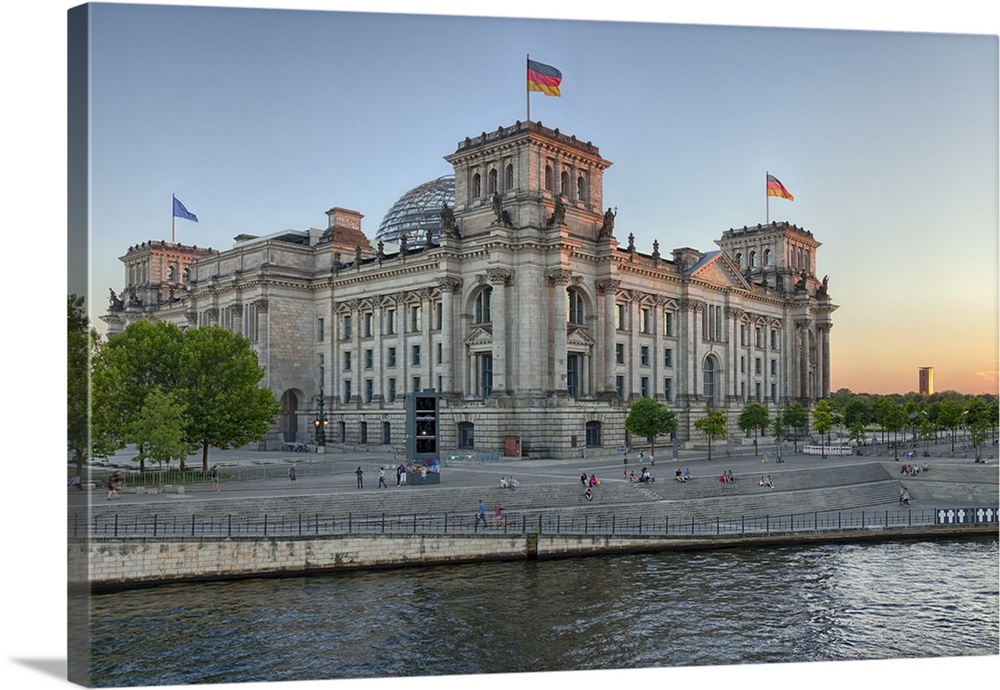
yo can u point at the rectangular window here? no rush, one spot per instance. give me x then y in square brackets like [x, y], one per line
[620, 385]
[346, 331]
[743, 365]
[369, 359]
[440, 353]
[620, 353]
[415, 382]
[415, 358]
[485, 375]
[644, 356]
[620, 317]
[758, 335]
[414, 319]
[774, 339]
[644, 386]
[774, 367]
[347, 361]
[391, 357]
[438, 315]
[743, 335]
[391, 390]
[369, 324]
[757, 392]
[390, 321]
[369, 387]
[573, 375]
[320, 331]
[347, 391]
[645, 320]
[668, 324]
[757, 366]
[668, 390]
[668, 357]
[774, 392]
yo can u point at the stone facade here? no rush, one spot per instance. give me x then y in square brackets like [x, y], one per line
[525, 313]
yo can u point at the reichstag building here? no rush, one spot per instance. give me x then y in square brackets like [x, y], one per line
[506, 288]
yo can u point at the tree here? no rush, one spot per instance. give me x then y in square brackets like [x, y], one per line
[756, 418]
[649, 418]
[712, 424]
[79, 344]
[978, 422]
[211, 370]
[158, 429]
[949, 416]
[823, 418]
[226, 405]
[796, 417]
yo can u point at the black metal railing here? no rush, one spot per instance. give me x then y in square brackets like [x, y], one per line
[147, 525]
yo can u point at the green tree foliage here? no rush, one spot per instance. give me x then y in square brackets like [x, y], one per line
[211, 370]
[977, 420]
[756, 418]
[712, 424]
[650, 418]
[796, 417]
[948, 415]
[823, 420]
[227, 407]
[158, 429]
[79, 343]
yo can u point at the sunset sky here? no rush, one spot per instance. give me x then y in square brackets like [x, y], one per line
[260, 120]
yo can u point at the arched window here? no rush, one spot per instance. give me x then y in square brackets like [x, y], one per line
[581, 188]
[753, 259]
[492, 182]
[564, 183]
[172, 273]
[483, 300]
[709, 381]
[767, 257]
[508, 182]
[187, 275]
[574, 307]
[593, 438]
[548, 178]
[477, 186]
[739, 259]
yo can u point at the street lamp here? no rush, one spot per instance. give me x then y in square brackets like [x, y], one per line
[321, 423]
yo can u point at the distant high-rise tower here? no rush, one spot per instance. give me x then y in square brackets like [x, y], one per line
[926, 380]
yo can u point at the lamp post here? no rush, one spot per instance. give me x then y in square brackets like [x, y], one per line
[321, 423]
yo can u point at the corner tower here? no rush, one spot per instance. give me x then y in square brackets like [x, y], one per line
[528, 176]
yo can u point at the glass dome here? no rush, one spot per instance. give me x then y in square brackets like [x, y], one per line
[418, 211]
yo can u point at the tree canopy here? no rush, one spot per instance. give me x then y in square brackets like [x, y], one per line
[650, 418]
[756, 418]
[712, 424]
[79, 343]
[212, 372]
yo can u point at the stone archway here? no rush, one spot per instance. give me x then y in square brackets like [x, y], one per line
[289, 416]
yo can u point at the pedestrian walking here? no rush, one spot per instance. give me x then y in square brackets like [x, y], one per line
[115, 482]
[215, 477]
[291, 477]
[361, 477]
[381, 478]
[480, 514]
[402, 474]
[398, 471]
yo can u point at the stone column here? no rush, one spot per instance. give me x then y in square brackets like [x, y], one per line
[449, 333]
[559, 279]
[824, 358]
[607, 288]
[499, 278]
[803, 326]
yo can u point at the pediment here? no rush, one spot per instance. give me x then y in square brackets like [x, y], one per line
[579, 338]
[717, 269]
[479, 337]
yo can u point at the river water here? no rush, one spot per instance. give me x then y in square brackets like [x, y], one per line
[892, 600]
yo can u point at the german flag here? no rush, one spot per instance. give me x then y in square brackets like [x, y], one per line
[775, 188]
[544, 78]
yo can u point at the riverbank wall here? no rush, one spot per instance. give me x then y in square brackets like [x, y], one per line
[108, 563]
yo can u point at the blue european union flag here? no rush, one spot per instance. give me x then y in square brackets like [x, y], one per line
[181, 212]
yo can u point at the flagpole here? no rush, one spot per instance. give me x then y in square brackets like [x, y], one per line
[173, 220]
[527, 90]
[767, 202]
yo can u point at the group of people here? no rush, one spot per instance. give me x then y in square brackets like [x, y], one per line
[912, 470]
[766, 481]
[684, 476]
[904, 496]
[727, 477]
[508, 483]
[499, 516]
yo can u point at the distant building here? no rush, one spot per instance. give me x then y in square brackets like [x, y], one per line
[518, 305]
[926, 381]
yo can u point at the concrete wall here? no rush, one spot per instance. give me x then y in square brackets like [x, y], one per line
[111, 563]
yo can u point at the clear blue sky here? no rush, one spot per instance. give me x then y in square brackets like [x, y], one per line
[889, 144]
[260, 120]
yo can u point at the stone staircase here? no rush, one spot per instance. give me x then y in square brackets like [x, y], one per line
[798, 491]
